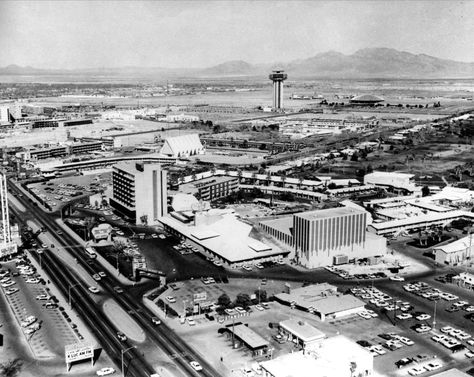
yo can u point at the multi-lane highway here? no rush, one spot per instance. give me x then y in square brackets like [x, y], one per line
[162, 335]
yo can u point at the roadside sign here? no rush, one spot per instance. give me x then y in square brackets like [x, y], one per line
[202, 296]
[77, 352]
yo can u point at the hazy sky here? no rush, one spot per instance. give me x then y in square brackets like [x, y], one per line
[76, 34]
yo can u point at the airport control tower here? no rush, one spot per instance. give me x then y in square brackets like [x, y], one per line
[278, 77]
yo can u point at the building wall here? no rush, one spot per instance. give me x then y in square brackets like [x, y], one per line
[321, 238]
[216, 190]
[142, 193]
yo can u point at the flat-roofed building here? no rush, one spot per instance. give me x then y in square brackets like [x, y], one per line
[319, 237]
[300, 332]
[212, 188]
[453, 372]
[244, 335]
[398, 182]
[337, 356]
[139, 191]
[323, 300]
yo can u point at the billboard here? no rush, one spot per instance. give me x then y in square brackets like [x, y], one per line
[202, 296]
[78, 351]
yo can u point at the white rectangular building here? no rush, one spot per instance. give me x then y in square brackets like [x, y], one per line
[337, 356]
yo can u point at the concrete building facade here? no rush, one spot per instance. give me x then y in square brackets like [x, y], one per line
[140, 191]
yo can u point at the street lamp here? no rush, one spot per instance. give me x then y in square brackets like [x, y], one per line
[434, 315]
[69, 293]
[122, 352]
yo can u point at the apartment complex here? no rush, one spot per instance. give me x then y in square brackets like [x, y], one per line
[139, 191]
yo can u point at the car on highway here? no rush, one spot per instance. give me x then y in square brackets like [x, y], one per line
[121, 336]
[59, 232]
[155, 321]
[96, 277]
[170, 299]
[118, 289]
[93, 289]
[105, 371]
[195, 365]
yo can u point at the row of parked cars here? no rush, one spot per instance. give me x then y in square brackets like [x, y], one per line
[425, 290]
[347, 276]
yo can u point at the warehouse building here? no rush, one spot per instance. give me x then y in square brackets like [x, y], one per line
[456, 252]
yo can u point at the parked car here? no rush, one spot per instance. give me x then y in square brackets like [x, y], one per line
[121, 336]
[105, 371]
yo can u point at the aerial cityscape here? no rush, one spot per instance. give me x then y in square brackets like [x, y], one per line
[237, 188]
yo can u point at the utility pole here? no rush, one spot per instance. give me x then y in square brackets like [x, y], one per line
[122, 352]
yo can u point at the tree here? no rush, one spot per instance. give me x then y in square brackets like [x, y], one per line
[354, 157]
[261, 295]
[425, 191]
[144, 219]
[223, 301]
[353, 367]
[243, 300]
[11, 368]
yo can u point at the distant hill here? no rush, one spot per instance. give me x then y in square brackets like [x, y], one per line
[365, 63]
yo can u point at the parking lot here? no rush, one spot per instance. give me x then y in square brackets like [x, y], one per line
[58, 191]
[45, 325]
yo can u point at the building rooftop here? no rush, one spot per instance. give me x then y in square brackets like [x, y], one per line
[451, 373]
[461, 244]
[421, 219]
[302, 330]
[323, 298]
[332, 359]
[282, 224]
[131, 166]
[367, 98]
[225, 236]
[250, 337]
[329, 213]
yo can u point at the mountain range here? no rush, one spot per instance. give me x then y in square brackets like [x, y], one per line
[365, 63]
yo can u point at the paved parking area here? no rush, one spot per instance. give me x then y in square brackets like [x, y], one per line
[55, 329]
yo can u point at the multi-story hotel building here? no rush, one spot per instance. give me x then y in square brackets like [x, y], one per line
[139, 191]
